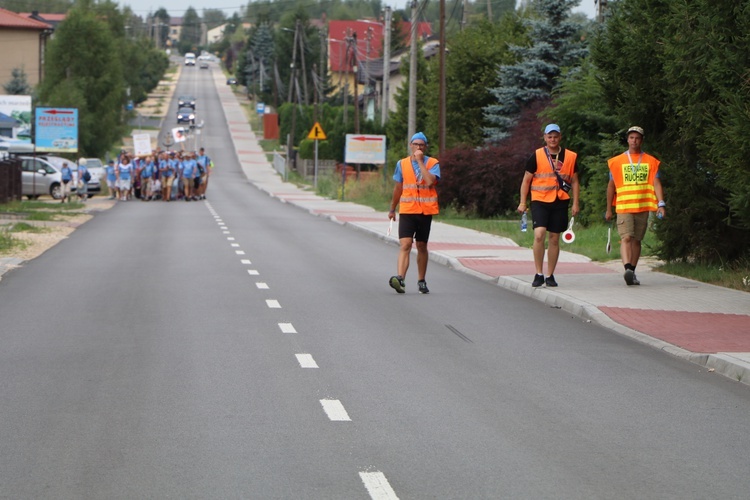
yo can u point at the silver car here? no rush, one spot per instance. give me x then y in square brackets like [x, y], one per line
[39, 177]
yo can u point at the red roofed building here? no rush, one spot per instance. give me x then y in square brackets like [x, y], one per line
[24, 42]
[369, 54]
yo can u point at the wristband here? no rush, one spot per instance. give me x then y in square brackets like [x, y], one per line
[661, 204]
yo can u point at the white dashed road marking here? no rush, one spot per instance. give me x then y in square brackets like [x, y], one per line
[253, 272]
[378, 486]
[287, 328]
[335, 410]
[235, 245]
[239, 252]
[261, 285]
[245, 261]
[231, 238]
[273, 304]
[306, 361]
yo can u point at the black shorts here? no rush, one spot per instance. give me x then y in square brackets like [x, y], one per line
[415, 226]
[553, 216]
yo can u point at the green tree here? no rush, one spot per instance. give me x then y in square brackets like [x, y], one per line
[84, 71]
[471, 63]
[18, 84]
[693, 116]
[555, 44]
[190, 35]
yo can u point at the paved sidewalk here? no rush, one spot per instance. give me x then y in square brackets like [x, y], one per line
[705, 324]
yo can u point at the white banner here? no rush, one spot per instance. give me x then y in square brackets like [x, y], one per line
[142, 144]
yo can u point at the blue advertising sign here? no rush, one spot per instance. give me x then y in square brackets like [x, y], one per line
[260, 108]
[56, 130]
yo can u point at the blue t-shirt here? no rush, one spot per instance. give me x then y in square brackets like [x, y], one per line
[148, 170]
[111, 176]
[399, 177]
[67, 174]
[125, 171]
[188, 167]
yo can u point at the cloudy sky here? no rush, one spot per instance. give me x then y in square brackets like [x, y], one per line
[177, 7]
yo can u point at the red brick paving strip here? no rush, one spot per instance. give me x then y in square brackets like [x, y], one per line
[694, 331]
[497, 267]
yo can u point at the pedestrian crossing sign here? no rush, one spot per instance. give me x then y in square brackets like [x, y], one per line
[316, 133]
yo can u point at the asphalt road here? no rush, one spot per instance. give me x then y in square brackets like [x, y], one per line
[242, 348]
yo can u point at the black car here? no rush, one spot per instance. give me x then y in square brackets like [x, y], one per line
[186, 115]
[231, 81]
[186, 101]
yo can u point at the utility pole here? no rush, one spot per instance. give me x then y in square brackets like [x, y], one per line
[442, 96]
[345, 62]
[465, 15]
[386, 67]
[355, 68]
[302, 56]
[294, 58]
[489, 10]
[323, 66]
[368, 38]
[412, 121]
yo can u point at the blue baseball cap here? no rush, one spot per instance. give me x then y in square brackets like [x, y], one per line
[417, 136]
[552, 127]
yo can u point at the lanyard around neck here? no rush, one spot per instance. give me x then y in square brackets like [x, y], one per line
[549, 158]
[634, 168]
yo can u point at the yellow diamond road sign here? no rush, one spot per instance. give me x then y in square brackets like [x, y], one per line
[316, 133]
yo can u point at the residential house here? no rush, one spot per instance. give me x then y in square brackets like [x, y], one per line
[368, 50]
[25, 40]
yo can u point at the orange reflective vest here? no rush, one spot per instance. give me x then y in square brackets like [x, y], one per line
[416, 197]
[634, 182]
[544, 185]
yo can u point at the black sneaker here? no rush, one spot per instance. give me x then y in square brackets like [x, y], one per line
[422, 284]
[538, 280]
[629, 276]
[550, 281]
[397, 283]
[635, 280]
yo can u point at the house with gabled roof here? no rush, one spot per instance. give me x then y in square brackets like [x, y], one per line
[24, 40]
[369, 56]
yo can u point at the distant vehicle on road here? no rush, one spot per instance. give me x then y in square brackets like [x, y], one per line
[189, 59]
[186, 101]
[203, 65]
[231, 81]
[186, 115]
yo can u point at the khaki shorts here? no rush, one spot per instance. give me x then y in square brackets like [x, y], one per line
[633, 225]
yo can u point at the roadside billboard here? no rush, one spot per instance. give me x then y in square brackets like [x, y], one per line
[363, 148]
[15, 117]
[56, 130]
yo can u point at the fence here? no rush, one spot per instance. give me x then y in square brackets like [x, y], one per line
[279, 163]
[10, 179]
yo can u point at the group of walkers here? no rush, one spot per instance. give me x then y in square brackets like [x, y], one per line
[551, 179]
[163, 175]
[82, 176]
